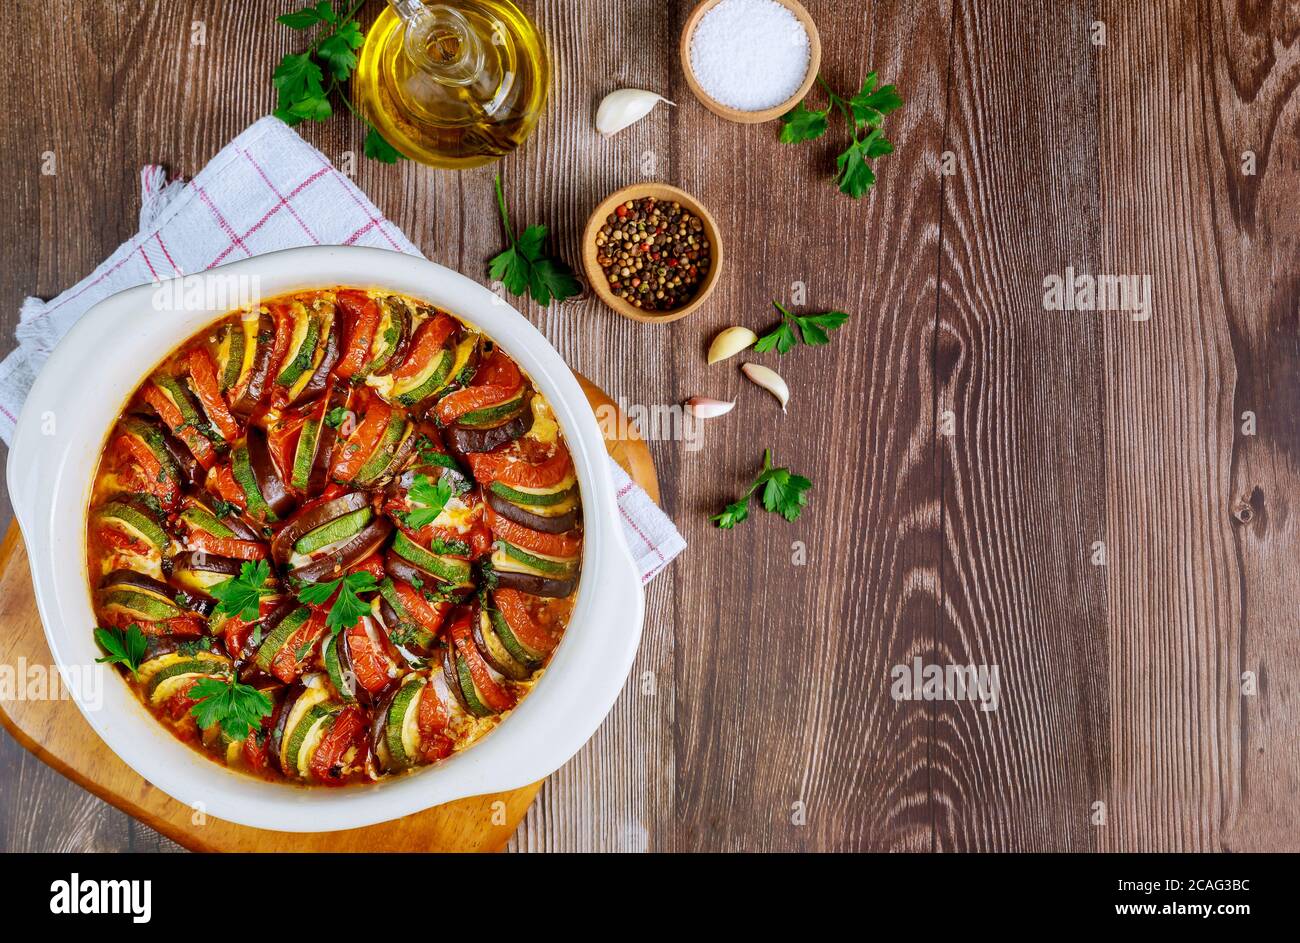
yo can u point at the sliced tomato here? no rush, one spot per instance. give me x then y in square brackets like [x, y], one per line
[429, 615]
[170, 413]
[555, 545]
[373, 564]
[349, 459]
[497, 370]
[287, 665]
[515, 608]
[203, 373]
[121, 541]
[150, 477]
[369, 662]
[508, 467]
[221, 480]
[282, 442]
[432, 720]
[493, 694]
[326, 763]
[179, 704]
[429, 339]
[283, 318]
[227, 546]
[256, 752]
[363, 316]
[184, 626]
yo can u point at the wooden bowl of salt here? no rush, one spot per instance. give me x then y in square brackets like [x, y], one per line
[750, 61]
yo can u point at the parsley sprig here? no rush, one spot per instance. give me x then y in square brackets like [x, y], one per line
[864, 113]
[796, 329]
[348, 608]
[783, 493]
[237, 707]
[242, 595]
[525, 268]
[302, 84]
[429, 497]
[122, 647]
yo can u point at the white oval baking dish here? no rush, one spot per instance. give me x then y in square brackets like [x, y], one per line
[78, 396]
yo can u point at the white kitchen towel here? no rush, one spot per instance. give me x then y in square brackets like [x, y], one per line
[267, 189]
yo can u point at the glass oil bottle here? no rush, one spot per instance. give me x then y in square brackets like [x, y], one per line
[453, 85]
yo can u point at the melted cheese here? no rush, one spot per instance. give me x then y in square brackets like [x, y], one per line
[545, 429]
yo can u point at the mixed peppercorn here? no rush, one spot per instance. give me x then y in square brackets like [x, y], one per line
[655, 255]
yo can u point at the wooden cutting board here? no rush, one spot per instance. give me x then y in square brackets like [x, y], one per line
[55, 731]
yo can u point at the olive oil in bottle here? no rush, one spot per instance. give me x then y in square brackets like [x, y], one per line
[453, 85]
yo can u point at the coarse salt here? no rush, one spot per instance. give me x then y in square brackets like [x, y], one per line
[750, 54]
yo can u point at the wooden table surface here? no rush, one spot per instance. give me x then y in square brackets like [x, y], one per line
[973, 454]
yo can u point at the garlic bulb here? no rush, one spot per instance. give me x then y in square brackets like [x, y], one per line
[625, 107]
[705, 407]
[730, 342]
[769, 380]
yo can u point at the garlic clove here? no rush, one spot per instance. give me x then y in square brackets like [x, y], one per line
[769, 380]
[625, 107]
[705, 407]
[730, 342]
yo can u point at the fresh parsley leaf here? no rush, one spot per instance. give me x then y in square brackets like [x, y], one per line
[347, 608]
[870, 105]
[794, 329]
[802, 123]
[223, 509]
[123, 647]
[335, 417]
[237, 707]
[430, 499]
[378, 148]
[524, 267]
[864, 112]
[242, 595]
[732, 514]
[783, 492]
[306, 81]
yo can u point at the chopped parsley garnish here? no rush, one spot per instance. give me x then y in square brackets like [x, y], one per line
[783, 493]
[348, 608]
[237, 707]
[429, 499]
[796, 329]
[123, 647]
[242, 595]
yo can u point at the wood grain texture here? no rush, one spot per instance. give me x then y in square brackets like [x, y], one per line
[762, 684]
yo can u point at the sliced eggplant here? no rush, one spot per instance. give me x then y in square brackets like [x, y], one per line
[201, 513]
[309, 519]
[464, 441]
[255, 385]
[332, 565]
[561, 524]
[273, 488]
[392, 337]
[311, 385]
[494, 649]
[536, 585]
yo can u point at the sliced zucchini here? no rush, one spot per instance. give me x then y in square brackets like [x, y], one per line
[274, 643]
[490, 416]
[448, 569]
[304, 456]
[139, 605]
[408, 632]
[341, 528]
[302, 344]
[517, 649]
[171, 673]
[302, 717]
[242, 468]
[557, 496]
[395, 326]
[136, 522]
[202, 519]
[152, 438]
[234, 352]
[473, 702]
[514, 559]
[402, 725]
[389, 443]
[306, 737]
[193, 417]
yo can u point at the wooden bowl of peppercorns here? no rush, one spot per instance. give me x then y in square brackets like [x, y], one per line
[652, 252]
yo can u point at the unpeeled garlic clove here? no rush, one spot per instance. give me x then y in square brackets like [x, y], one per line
[706, 407]
[625, 107]
[730, 342]
[769, 380]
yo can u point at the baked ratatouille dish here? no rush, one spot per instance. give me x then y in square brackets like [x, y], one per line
[334, 538]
